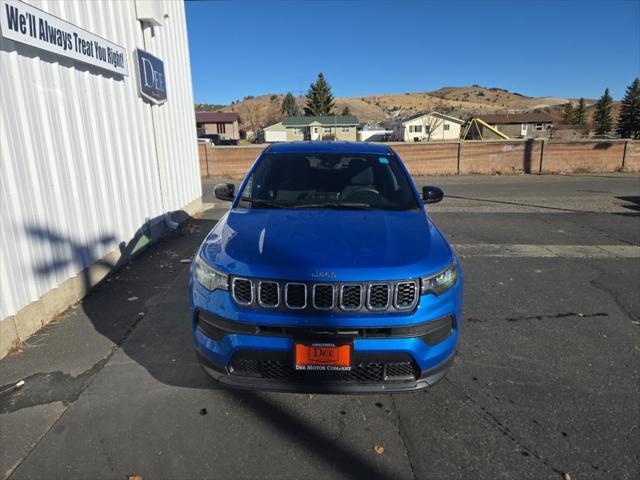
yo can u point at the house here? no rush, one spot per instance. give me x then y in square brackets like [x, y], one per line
[224, 124]
[373, 132]
[313, 128]
[519, 125]
[427, 126]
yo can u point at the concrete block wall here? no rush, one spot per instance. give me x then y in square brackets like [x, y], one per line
[583, 157]
[632, 157]
[231, 162]
[466, 158]
[489, 158]
[429, 158]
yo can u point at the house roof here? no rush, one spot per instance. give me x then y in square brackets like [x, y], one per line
[502, 119]
[339, 120]
[435, 114]
[273, 125]
[214, 117]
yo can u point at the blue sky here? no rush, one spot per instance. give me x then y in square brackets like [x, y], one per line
[536, 48]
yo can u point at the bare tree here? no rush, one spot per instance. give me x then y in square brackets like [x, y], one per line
[429, 123]
[257, 115]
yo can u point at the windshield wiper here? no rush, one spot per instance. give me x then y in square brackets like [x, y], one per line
[260, 201]
[346, 206]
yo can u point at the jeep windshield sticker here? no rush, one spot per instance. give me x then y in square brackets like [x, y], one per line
[383, 160]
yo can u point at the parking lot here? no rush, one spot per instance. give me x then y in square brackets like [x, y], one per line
[546, 381]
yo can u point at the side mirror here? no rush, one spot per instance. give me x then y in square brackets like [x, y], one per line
[432, 194]
[224, 191]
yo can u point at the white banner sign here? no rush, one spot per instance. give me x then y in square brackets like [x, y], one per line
[29, 25]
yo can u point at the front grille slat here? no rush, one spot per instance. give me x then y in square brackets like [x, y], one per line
[335, 297]
[379, 296]
[406, 295]
[324, 296]
[269, 294]
[351, 297]
[295, 296]
[242, 290]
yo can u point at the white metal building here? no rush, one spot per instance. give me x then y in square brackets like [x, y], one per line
[89, 167]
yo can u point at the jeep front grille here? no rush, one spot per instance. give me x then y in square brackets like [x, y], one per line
[336, 297]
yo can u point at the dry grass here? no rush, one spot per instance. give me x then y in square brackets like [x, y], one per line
[457, 101]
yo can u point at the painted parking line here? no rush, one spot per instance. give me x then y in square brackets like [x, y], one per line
[563, 251]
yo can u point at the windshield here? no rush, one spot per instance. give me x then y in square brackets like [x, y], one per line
[329, 180]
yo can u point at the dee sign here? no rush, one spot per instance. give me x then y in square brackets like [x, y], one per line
[151, 79]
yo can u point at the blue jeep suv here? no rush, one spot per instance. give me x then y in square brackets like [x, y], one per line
[326, 275]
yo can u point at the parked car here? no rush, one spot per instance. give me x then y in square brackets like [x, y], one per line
[211, 138]
[216, 140]
[204, 140]
[326, 274]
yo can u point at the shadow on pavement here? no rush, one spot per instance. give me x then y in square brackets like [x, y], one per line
[142, 308]
[634, 203]
[347, 461]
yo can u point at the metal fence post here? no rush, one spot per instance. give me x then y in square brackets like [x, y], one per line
[206, 158]
[541, 155]
[624, 155]
[459, 166]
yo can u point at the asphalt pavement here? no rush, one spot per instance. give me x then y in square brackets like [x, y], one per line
[546, 381]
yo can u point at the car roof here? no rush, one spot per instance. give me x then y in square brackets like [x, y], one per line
[329, 147]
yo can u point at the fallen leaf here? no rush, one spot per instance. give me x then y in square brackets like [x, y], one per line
[566, 476]
[311, 396]
[134, 477]
[379, 449]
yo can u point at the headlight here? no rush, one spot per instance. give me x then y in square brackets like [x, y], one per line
[440, 282]
[209, 277]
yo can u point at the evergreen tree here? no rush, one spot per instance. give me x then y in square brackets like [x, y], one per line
[629, 119]
[568, 114]
[289, 106]
[346, 111]
[319, 100]
[580, 114]
[602, 115]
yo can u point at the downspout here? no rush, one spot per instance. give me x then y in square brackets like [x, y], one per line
[147, 31]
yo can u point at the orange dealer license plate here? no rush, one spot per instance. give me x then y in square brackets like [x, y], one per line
[322, 357]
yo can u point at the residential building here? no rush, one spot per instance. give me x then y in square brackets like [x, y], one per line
[519, 125]
[313, 128]
[373, 132]
[427, 126]
[223, 124]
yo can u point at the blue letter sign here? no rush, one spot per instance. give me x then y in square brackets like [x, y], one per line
[151, 81]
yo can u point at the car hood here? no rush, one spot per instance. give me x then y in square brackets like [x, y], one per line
[341, 245]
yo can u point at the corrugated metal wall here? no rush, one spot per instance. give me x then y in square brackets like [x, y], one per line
[78, 170]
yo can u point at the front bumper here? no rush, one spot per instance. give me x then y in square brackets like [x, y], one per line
[313, 384]
[264, 342]
[260, 357]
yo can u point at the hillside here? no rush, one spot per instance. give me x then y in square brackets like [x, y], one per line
[463, 102]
